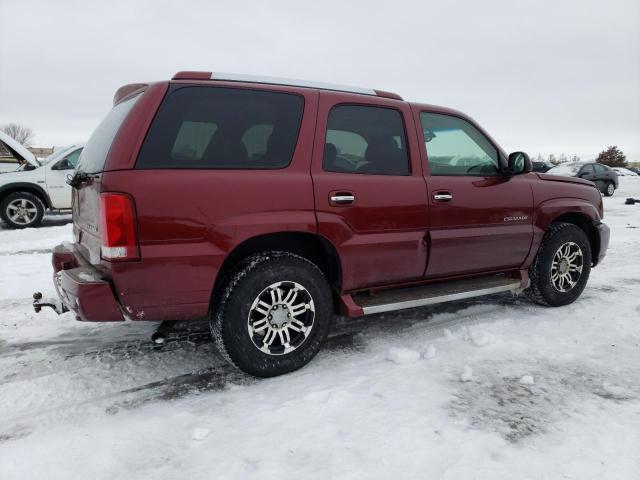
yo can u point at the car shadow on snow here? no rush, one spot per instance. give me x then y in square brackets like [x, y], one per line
[347, 335]
[127, 347]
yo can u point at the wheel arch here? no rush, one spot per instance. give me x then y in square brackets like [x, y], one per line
[585, 223]
[577, 211]
[313, 247]
[32, 188]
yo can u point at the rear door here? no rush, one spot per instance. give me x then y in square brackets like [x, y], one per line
[479, 219]
[370, 196]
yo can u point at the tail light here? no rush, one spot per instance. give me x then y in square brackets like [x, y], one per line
[119, 240]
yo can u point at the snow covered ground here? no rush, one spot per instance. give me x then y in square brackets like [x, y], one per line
[485, 389]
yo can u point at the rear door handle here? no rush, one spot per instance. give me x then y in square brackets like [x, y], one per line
[442, 197]
[342, 198]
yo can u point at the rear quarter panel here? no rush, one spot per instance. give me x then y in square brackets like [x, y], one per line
[189, 220]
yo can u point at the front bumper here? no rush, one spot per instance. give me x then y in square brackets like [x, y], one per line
[81, 289]
[603, 233]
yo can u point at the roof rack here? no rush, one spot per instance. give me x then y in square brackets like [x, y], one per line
[239, 77]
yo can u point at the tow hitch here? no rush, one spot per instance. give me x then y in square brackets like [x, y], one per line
[55, 304]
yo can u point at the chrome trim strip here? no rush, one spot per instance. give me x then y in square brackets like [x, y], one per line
[290, 82]
[420, 302]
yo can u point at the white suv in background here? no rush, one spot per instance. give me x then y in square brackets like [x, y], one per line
[36, 186]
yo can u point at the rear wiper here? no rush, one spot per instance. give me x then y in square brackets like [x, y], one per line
[78, 178]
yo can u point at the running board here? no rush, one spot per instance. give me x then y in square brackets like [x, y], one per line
[411, 297]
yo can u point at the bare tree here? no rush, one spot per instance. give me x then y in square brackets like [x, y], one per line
[19, 133]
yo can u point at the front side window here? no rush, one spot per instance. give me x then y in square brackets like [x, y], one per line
[217, 127]
[365, 140]
[587, 169]
[455, 147]
[599, 168]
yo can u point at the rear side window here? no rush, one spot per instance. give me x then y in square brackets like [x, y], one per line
[366, 140]
[600, 168]
[216, 127]
[95, 151]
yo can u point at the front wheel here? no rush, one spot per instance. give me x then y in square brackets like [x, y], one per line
[274, 314]
[609, 189]
[22, 210]
[561, 268]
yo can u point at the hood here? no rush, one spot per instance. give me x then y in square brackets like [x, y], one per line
[19, 152]
[562, 178]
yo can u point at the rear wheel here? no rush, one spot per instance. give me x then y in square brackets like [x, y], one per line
[561, 268]
[22, 210]
[609, 189]
[274, 314]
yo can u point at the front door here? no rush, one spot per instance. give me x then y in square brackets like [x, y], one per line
[480, 220]
[370, 195]
[57, 187]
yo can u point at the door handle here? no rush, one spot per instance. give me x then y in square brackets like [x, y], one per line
[442, 197]
[342, 198]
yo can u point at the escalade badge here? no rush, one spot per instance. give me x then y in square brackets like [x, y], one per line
[516, 219]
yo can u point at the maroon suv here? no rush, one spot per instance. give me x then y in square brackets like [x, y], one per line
[269, 205]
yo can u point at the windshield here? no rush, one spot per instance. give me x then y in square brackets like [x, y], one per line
[566, 170]
[61, 152]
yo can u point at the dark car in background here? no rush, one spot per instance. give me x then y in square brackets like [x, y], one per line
[605, 178]
[541, 167]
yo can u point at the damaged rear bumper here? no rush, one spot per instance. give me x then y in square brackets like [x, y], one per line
[81, 289]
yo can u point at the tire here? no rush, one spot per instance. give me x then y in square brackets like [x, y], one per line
[249, 321]
[545, 287]
[22, 210]
[609, 189]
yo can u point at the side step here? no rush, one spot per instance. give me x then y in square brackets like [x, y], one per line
[410, 297]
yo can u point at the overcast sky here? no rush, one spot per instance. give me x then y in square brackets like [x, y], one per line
[540, 76]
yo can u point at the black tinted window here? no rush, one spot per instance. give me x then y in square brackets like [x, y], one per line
[213, 127]
[587, 169]
[455, 147]
[363, 139]
[600, 168]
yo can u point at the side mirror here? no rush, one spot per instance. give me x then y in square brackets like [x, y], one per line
[519, 163]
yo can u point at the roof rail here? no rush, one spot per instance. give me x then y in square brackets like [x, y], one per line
[239, 77]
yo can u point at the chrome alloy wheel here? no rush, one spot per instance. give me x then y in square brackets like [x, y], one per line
[22, 211]
[610, 189]
[566, 267]
[281, 318]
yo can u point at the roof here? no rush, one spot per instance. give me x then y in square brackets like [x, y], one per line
[240, 77]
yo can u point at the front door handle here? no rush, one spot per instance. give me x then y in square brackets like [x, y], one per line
[342, 198]
[442, 197]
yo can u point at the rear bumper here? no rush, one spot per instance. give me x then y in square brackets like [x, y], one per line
[82, 288]
[602, 230]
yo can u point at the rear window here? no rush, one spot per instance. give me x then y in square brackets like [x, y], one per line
[95, 151]
[217, 127]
